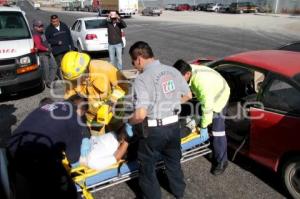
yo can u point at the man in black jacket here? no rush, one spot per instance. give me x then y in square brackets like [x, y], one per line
[115, 44]
[60, 39]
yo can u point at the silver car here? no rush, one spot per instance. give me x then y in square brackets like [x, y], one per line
[151, 11]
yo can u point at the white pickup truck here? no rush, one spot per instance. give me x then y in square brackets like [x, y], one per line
[125, 8]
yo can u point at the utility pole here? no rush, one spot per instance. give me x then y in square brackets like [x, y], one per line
[162, 5]
[276, 7]
[143, 4]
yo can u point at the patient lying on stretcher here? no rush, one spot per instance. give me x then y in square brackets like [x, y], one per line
[104, 150]
[100, 152]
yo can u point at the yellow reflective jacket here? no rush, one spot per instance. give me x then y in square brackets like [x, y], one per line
[212, 91]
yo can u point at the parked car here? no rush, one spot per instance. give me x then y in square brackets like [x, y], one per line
[243, 7]
[214, 7]
[90, 34]
[264, 9]
[264, 110]
[151, 11]
[19, 63]
[224, 8]
[103, 13]
[183, 7]
[194, 7]
[206, 5]
[293, 46]
[200, 6]
[170, 7]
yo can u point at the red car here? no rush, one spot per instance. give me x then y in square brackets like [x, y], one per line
[183, 7]
[264, 110]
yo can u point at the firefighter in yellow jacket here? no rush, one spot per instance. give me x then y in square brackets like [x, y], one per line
[101, 82]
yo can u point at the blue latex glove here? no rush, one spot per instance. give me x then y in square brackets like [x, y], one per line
[204, 133]
[85, 147]
[128, 129]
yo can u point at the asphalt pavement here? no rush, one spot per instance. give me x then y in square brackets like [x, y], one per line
[171, 41]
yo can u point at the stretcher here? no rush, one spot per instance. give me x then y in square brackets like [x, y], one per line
[89, 181]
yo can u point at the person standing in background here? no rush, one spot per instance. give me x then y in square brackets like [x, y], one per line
[115, 44]
[47, 60]
[59, 37]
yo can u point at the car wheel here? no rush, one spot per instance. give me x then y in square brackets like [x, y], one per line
[291, 176]
[158, 14]
[241, 11]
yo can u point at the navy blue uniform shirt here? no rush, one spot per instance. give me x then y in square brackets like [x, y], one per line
[55, 125]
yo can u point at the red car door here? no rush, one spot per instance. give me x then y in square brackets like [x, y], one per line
[275, 125]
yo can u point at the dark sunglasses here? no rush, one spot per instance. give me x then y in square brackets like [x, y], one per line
[40, 26]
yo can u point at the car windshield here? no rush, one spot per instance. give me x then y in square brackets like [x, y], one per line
[96, 23]
[13, 26]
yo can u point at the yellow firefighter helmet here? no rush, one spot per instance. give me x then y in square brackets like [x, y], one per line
[74, 64]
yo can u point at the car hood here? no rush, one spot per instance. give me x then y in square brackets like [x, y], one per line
[15, 48]
[202, 60]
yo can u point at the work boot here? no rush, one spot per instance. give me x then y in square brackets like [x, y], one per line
[219, 168]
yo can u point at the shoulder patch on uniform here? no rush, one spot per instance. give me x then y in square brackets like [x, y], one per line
[168, 86]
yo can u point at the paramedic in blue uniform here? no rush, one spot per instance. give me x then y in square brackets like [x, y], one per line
[158, 92]
[35, 150]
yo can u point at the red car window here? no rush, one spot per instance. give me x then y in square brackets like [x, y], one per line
[282, 96]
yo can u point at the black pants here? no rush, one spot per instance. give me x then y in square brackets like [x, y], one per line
[219, 138]
[58, 59]
[162, 143]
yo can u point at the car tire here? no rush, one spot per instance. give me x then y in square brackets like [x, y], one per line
[158, 15]
[241, 11]
[291, 176]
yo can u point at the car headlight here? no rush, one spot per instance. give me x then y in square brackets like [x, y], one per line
[25, 60]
